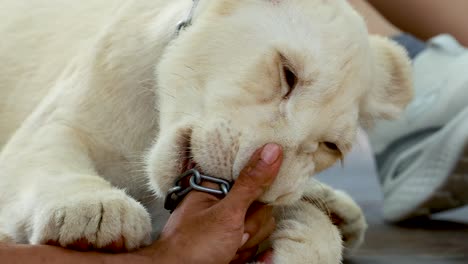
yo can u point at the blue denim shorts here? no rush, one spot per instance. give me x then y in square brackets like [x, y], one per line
[412, 45]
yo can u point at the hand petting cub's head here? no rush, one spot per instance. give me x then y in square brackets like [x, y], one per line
[301, 73]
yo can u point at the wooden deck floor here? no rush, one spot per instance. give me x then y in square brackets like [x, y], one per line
[441, 239]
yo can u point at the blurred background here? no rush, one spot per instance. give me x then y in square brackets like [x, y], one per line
[441, 239]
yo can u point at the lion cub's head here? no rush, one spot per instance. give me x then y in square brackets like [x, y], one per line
[300, 73]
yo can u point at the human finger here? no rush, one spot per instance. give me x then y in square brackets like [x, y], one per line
[259, 224]
[256, 177]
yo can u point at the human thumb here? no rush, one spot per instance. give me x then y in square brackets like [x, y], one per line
[256, 177]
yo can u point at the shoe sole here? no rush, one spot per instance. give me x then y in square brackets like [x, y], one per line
[437, 180]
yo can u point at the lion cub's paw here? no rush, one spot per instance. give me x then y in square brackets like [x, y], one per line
[107, 219]
[306, 235]
[349, 218]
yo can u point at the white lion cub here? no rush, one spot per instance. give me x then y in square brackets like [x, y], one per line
[99, 98]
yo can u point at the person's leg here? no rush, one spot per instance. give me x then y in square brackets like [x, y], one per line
[427, 18]
[422, 157]
[376, 23]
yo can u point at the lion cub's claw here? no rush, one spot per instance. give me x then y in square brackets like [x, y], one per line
[349, 218]
[106, 220]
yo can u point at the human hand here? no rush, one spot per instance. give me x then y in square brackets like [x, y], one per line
[205, 229]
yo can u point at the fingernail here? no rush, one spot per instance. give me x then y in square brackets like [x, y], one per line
[270, 153]
[245, 238]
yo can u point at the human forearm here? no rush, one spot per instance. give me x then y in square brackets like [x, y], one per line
[24, 254]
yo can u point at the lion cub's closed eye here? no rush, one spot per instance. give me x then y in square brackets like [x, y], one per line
[288, 77]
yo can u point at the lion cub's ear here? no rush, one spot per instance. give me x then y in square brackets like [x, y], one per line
[391, 86]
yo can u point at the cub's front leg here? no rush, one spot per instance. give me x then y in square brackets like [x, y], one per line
[56, 171]
[52, 194]
[318, 228]
[344, 212]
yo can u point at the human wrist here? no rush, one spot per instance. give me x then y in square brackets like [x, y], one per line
[161, 251]
[176, 249]
[125, 258]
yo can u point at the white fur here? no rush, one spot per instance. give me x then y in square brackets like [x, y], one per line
[98, 96]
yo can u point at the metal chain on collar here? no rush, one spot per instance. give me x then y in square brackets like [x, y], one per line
[177, 193]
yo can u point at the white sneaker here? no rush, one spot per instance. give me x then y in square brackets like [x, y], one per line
[422, 158]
